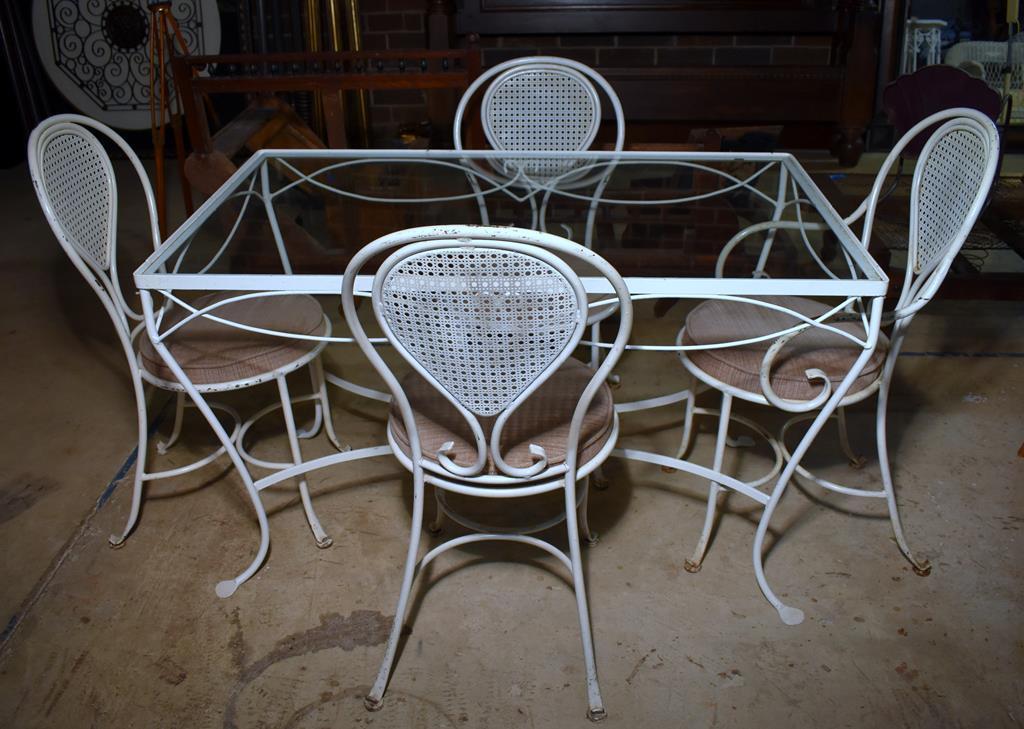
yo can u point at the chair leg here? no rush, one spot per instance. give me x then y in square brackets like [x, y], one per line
[921, 566]
[179, 413]
[374, 700]
[591, 538]
[694, 563]
[316, 374]
[434, 528]
[117, 541]
[322, 540]
[596, 711]
[687, 437]
[844, 440]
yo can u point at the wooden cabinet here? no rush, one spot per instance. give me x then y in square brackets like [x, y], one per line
[832, 99]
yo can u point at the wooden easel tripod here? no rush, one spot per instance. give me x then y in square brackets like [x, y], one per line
[163, 34]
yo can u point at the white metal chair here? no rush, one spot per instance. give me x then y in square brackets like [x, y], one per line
[540, 104]
[495, 406]
[76, 186]
[798, 370]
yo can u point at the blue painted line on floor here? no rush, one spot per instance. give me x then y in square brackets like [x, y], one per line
[11, 625]
[128, 464]
[15, 619]
[121, 472]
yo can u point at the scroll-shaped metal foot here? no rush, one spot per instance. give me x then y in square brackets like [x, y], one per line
[226, 588]
[371, 704]
[791, 615]
[922, 568]
[596, 715]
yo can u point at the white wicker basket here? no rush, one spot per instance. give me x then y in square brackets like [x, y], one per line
[985, 60]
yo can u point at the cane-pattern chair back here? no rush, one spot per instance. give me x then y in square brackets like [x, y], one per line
[541, 108]
[486, 316]
[541, 104]
[77, 189]
[78, 179]
[485, 323]
[948, 190]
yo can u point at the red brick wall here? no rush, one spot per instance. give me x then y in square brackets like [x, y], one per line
[394, 25]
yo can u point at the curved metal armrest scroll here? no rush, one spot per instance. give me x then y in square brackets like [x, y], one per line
[449, 465]
[793, 406]
[539, 465]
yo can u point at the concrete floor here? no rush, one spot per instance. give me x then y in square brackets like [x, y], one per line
[136, 637]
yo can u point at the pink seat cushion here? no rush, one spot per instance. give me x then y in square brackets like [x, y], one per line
[714, 322]
[543, 419]
[212, 353]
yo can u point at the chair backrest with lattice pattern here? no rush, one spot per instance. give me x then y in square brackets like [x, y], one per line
[485, 315]
[951, 182]
[484, 322]
[77, 189]
[541, 104]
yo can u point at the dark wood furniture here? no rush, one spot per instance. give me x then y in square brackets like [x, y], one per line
[327, 73]
[835, 102]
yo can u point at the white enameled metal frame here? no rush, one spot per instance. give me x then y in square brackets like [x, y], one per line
[77, 190]
[475, 272]
[794, 195]
[951, 181]
[158, 272]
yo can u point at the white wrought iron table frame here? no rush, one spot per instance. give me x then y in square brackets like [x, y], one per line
[866, 287]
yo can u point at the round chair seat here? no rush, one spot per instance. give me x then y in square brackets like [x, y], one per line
[716, 322]
[542, 420]
[211, 353]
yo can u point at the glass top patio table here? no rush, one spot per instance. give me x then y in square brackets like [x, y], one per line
[677, 225]
[289, 220]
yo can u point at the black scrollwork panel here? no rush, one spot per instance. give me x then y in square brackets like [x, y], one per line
[97, 52]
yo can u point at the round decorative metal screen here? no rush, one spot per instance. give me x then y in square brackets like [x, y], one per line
[950, 183]
[97, 52]
[484, 322]
[541, 110]
[76, 174]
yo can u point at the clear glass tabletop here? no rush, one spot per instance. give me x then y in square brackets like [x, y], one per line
[670, 222]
